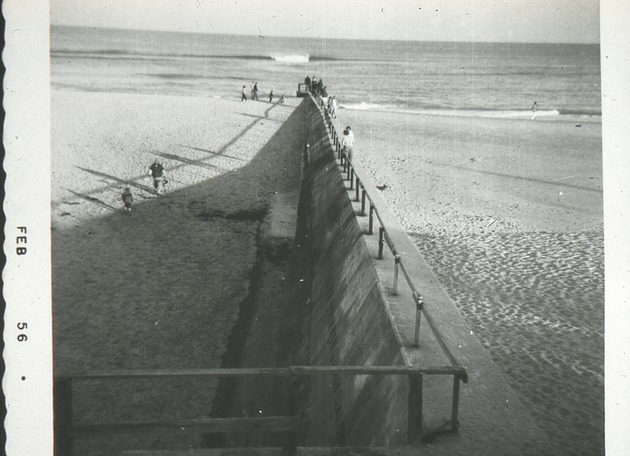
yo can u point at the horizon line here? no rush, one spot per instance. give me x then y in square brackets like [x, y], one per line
[253, 35]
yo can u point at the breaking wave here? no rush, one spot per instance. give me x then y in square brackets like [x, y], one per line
[291, 58]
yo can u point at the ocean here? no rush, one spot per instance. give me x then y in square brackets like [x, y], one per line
[471, 79]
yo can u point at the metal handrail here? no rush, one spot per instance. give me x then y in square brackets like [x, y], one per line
[65, 429]
[378, 206]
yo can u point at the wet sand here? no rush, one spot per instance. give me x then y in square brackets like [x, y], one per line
[509, 215]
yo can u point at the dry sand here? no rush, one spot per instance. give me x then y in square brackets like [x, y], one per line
[509, 215]
[159, 288]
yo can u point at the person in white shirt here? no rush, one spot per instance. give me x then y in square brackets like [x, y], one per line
[348, 142]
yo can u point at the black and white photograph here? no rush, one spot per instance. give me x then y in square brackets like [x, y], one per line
[315, 228]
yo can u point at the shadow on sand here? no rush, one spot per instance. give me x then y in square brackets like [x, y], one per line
[162, 288]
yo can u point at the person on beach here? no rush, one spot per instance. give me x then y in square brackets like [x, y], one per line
[281, 101]
[127, 199]
[534, 110]
[347, 143]
[255, 97]
[243, 96]
[271, 96]
[156, 171]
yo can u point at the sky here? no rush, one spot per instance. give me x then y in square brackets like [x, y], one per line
[542, 21]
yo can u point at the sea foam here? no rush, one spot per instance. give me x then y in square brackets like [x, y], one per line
[291, 58]
[363, 106]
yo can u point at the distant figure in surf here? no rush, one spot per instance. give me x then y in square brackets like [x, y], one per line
[243, 96]
[156, 171]
[534, 110]
[271, 96]
[127, 199]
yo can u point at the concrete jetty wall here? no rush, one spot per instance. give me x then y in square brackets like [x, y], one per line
[347, 322]
[341, 315]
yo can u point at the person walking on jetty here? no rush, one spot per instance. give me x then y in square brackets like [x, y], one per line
[307, 81]
[347, 143]
[333, 107]
[156, 171]
[243, 96]
[127, 199]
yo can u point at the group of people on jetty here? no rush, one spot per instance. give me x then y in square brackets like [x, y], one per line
[254, 93]
[318, 89]
[157, 171]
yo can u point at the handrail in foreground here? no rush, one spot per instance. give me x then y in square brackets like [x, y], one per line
[66, 430]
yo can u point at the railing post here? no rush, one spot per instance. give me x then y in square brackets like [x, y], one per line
[419, 305]
[371, 223]
[291, 444]
[356, 197]
[455, 410]
[381, 232]
[351, 176]
[414, 412]
[396, 263]
[62, 400]
[363, 202]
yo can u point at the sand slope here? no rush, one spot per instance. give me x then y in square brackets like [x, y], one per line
[160, 287]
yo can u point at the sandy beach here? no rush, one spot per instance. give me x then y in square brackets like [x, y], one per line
[509, 215]
[160, 287]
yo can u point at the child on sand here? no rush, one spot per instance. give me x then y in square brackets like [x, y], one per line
[127, 199]
[281, 101]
